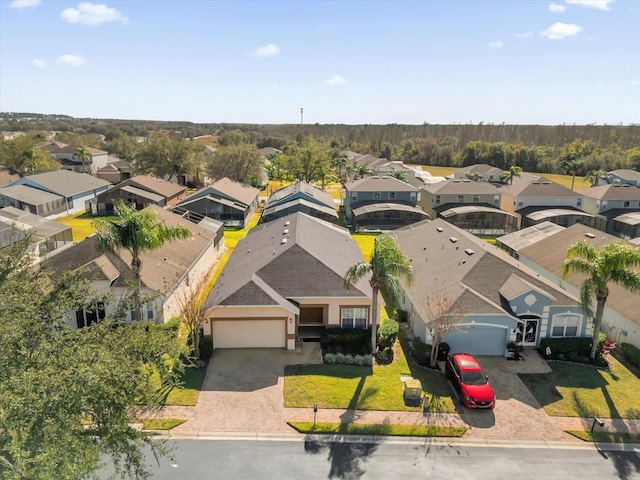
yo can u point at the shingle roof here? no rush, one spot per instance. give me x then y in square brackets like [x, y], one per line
[278, 207]
[515, 286]
[454, 187]
[627, 174]
[74, 149]
[65, 182]
[7, 176]
[538, 188]
[143, 193]
[155, 185]
[162, 268]
[379, 184]
[29, 195]
[448, 259]
[612, 192]
[308, 189]
[310, 263]
[235, 190]
[550, 252]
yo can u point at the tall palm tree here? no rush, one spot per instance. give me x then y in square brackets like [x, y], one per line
[400, 175]
[514, 172]
[325, 173]
[137, 232]
[340, 163]
[594, 176]
[388, 263]
[363, 170]
[572, 167]
[83, 155]
[616, 262]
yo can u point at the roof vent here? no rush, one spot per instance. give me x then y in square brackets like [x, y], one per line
[468, 251]
[440, 229]
[286, 224]
[286, 230]
[453, 239]
[590, 235]
[535, 183]
[283, 241]
[546, 183]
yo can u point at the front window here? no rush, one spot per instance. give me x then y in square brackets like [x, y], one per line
[354, 196]
[565, 325]
[392, 195]
[437, 198]
[354, 317]
[376, 195]
[476, 198]
[460, 198]
[626, 204]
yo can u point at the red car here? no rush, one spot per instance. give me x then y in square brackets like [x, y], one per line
[469, 381]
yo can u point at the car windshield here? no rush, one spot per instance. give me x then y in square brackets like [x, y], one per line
[473, 378]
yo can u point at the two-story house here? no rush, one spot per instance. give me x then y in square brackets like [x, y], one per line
[381, 203]
[300, 197]
[69, 157]
[543, 200]
[472, 206]
[625, 176]
[480, 171]
[619, 203]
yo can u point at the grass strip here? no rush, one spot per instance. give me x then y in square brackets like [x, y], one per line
[378, 429]
[161, 423]
[605, 437]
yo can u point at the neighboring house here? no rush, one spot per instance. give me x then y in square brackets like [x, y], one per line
[621, 319]
[268, 152]
[300, 197]
[46, 235]
[624, 176]
[381, 203]
[68, 192]
[116, 171]
[495, 298]
[52, 146]
[168, 273]
[626, 226]
[68, 157]
[612, 201]
[139, 192]
[516, 241]
[472, 206]
[233, 203]
[543, 200]
[283, 283]
[487, 173]
[7, 175]
[209, 151]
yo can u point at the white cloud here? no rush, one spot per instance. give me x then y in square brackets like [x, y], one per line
[92, 14]
[38, 63]
[336, 80]
[495, 45]
[24, 3]
[70, 60]
[555, 8]
[560, 30]
[599, 4]
[266, 51]
[524, 35]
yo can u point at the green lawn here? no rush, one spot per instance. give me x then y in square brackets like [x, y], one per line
[605, 437]
[566, 180]
[161, 423]
[365, 241]
[573, 390]
[364, 388]
[187, 394]
[378, 429]
[437, 171]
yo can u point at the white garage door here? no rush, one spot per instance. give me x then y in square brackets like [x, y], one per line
[478, 340]
[249, 334]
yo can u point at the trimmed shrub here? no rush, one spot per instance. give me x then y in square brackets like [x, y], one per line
[421, 352]
[342, 359]
[387, 333]
[173, 324]
[206, 348]
[573, 349]
[631, 353]
[330, 358]
[351, 341]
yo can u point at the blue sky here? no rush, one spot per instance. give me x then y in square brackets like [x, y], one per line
[543, 62]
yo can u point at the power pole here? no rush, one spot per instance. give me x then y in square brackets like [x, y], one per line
[301, 116]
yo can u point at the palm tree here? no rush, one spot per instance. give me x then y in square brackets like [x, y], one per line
[83, 155]
[400, 175]
[513, 172]
[594, 176]
[363, 170]
[340, 163]
[136, 232]
[325, 173]
[616, 262]
[475, 176]
[388, 263]
[572, 167]
[349, 169]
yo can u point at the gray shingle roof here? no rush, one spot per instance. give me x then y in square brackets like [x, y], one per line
[454, 187]
[310, 190]
[627, 174]
[237, 191]
[65, 182]
[279, 206]
[612, 192]
[154, 185]
[379, 184]
[538, 188]
[311, 262]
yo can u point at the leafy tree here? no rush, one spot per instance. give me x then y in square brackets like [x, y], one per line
[233, 138]
[238, 162]
[387, 265]
[163, 155]
[66, 395]
[192, 304]
[514, 172]
[441, 321]
[305, 156]
[136, 232]
[595, 176]
[84, 156]
[616, 262]
[121, 145]
[400, 175]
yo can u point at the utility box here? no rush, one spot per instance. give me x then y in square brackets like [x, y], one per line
[412, 391]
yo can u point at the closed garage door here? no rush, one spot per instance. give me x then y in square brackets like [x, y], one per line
[249, 333]
[478, 340]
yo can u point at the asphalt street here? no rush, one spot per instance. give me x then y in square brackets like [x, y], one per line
[300, 459]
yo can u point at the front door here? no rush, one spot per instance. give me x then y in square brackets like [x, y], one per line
[527, 334]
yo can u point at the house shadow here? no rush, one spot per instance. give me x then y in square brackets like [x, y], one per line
[347, 457]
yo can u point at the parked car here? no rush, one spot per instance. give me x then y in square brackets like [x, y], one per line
[470, 382]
